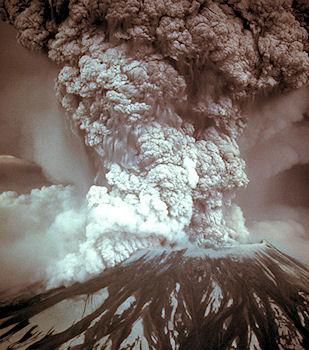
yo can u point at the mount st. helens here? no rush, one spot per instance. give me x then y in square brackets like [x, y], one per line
[246, 297]
[158, 90]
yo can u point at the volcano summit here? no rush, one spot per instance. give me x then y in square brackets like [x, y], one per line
[248, 297]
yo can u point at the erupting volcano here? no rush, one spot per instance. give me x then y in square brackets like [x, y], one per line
[179, 140]
[253, 297]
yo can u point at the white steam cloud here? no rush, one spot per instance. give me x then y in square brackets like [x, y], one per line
[37, 229]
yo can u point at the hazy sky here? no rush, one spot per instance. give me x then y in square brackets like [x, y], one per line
[32, 124]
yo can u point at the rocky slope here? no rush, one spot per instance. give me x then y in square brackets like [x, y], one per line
[248, 297]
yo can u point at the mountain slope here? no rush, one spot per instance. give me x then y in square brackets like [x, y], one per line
[246, 297]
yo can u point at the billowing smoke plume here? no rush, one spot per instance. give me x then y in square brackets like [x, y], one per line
[158, 92]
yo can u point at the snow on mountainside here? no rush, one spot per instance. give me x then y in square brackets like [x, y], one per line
[245, 297]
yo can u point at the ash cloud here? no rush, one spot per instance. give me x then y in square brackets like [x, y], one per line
[159, 91]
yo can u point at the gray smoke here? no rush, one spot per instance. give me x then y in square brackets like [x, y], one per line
[275, 145]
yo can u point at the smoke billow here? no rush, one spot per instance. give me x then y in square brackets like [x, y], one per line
[37, 229]
[160, 94]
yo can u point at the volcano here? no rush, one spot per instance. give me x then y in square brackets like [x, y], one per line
[162, 112]
[245, 297]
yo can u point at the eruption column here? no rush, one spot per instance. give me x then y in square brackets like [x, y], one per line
[157, 90]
